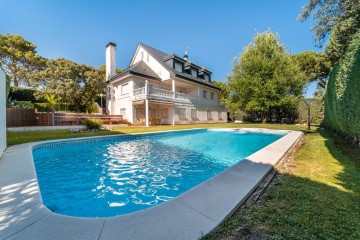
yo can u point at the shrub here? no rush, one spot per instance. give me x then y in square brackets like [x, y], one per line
[8, 83]
[92, 108]
[41, 107]
[93, 123]
[23, 104]
[342, 108]
[60, 107]
[22, 94]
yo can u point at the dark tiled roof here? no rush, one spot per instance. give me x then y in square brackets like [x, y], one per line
[175, 56]
[139, 69]
[159, 56]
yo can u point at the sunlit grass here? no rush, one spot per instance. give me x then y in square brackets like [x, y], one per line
[316, 197]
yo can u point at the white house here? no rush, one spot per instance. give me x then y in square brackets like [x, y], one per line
[158, 88]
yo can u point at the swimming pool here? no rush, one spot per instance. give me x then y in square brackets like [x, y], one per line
[117, 175]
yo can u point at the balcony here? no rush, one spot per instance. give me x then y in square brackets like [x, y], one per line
[170, 96]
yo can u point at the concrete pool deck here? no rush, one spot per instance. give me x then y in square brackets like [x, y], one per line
[191, 215]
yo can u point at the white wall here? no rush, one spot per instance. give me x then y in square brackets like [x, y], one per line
[123, 100]
[2, 111]
[152, 63]
[110, 61]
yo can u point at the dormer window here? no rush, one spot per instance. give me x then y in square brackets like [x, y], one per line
[205, 74]
[178, 66]
[194, 73]
[206, 78]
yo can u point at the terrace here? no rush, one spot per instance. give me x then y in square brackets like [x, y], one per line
[153, 93]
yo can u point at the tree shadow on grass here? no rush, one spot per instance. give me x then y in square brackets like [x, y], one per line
[305, 202]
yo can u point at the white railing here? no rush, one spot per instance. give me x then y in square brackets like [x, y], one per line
[141, 93]
[181, 95]
[160, 92]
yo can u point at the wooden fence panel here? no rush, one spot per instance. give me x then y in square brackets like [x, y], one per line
[43, 119]
[20, 117]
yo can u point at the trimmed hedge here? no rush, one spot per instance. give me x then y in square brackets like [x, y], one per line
[342, 99]
[22, 94]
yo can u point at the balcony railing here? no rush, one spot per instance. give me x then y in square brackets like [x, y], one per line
[162, 94]
[139, 91]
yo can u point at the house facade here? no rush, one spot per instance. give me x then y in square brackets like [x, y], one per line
[158, 88]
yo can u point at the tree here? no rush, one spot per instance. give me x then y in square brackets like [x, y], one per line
[330, 14]
[51, 101]
[266, 82]
[76, 84]
[225, 97]
[316, 67]
[18, 58]
[102, 68]
[224, 93]
[313, 64]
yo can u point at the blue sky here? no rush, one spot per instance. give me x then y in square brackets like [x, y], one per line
[215, 31]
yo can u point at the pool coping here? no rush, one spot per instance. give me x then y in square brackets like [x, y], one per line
[191, 215]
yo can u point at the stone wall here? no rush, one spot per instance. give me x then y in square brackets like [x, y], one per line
[2, 111]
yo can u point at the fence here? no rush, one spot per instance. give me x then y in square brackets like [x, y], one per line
[18, 117]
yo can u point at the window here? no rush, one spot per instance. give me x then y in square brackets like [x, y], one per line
[178, 67]
[164, 113]
[153, 113]
[220, 115]
[182, 112]
[212, 96]
[194, 73]
[142, 55]
[123, 111]
[209, 114]
[207, 78]
[125, 89]
[116, 91]
[140, 113]
[205, 94]
[147, 57]
[193, 113]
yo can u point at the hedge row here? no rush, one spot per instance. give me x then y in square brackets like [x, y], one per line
[342, 99]
[23, 94]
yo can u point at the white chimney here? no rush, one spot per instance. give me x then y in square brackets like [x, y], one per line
[110, 60]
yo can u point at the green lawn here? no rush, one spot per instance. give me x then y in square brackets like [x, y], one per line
[316, 196]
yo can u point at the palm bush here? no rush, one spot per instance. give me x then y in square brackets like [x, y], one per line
[93, 123]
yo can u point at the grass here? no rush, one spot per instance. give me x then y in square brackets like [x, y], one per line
[14, 138]
[315, 196]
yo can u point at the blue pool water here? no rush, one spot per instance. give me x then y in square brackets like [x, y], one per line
[123, 174]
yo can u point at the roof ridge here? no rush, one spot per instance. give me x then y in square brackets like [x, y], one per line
[148, 46]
